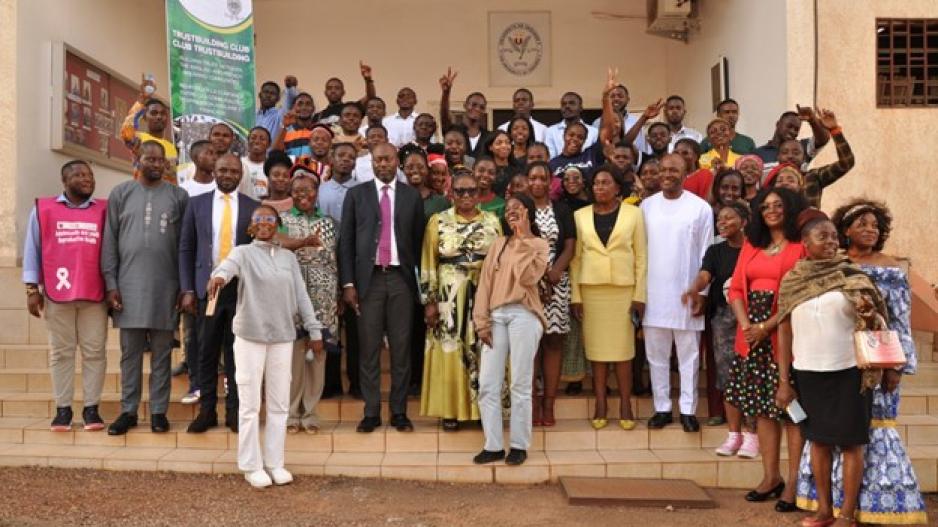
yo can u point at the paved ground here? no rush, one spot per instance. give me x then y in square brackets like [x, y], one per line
[46, 497]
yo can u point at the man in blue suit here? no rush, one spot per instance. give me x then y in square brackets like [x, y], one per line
[214, 223]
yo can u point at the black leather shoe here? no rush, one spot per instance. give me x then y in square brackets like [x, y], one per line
[368, 424]
[516, 456]
[660, 420]
[690, 423]
[159, 424]
[203, 421]
[123, 423]
[488, 456]
[785, 506]
[774, 492]
[231, 421]
[401, 423]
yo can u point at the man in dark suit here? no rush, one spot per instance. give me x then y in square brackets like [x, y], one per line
[214, 223]
[379, 251]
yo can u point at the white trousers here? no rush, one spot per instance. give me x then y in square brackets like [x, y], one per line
[658, 351]
[258, 363]
[516, 332]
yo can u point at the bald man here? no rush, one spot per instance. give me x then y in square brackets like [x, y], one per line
[379, 251]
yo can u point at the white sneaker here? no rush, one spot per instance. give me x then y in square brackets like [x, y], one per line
[281, 476]
[191, 397]
[258, 479]
[750, 446]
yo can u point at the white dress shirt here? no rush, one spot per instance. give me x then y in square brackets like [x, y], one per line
[218, 208]
[540, 129]
[689, 133]
[379, 188]
[365, 172]
[553, 137]
[400, 129]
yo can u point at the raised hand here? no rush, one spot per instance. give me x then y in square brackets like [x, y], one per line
[653, 110]
[612, 75]
[805, 113]
[446, 81]
[827, 118]
[365, 69]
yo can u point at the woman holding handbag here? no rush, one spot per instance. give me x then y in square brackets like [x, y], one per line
[823, 300]
[864, 227]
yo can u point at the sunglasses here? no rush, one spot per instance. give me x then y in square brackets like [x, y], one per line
[264, 218]
[465, 191]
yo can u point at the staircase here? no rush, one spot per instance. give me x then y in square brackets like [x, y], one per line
[571, 447]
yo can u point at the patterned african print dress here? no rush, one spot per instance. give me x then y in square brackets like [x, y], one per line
[889, 492]
[557, 311]
[319, 267]
[453, 250]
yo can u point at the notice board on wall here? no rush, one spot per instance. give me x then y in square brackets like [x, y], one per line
[89, 104]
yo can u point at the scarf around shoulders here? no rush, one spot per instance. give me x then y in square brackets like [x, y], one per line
[812, 278]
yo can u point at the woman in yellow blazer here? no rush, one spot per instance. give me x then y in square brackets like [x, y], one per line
[607, 278]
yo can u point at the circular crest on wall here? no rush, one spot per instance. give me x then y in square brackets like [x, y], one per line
[520, 48]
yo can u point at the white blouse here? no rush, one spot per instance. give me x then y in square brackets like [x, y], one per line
[822, 330]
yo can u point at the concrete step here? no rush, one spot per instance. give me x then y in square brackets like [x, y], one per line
[697, 464]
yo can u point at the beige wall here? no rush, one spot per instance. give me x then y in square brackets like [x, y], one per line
[756, 53]
[894, 148]
[128, 37]
[8, 31]
[411, 43]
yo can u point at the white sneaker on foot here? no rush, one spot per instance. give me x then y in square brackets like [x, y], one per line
[281, 476]
[191, 397]
[750, 446]
[258, 479]
[729, 447]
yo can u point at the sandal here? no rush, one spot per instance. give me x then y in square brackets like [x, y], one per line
[293, 429]
[312, 430]
[599, 423]
[626, 424]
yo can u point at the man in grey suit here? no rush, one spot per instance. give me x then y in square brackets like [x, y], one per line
[379, 251]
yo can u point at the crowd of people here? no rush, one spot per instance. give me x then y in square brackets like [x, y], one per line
[493, 265]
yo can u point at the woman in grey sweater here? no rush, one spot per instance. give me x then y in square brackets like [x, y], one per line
[271, 293]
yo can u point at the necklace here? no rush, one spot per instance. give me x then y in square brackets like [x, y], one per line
[774, 249]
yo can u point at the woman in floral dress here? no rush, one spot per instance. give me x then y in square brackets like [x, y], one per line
[889, 492]
[454, 246]
[313, 238]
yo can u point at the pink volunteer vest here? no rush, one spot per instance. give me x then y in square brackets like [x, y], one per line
[71, 250]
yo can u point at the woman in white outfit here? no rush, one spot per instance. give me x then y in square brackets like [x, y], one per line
[271, 292]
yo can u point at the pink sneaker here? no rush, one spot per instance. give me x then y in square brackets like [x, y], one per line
[750, 446]
[731, 445]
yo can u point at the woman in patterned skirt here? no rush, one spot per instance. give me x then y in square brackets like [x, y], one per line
[316, 236]
[771, 249]
[454, 246]
[889, 491]
[555, 223]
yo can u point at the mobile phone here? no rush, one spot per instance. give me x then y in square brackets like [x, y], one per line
[796, 412]
[150, 87]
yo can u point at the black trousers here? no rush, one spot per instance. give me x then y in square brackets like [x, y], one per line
[387, 307]
[215, 338]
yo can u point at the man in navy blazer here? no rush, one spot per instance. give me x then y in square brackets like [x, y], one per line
[378, 260]
[201, 247]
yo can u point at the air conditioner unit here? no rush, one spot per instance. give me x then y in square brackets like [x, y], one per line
[670, 18]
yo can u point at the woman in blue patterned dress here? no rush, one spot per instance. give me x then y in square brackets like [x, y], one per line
[889, 493]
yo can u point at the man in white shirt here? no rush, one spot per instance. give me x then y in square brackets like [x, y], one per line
[364, 170]
[679, 228]
[203, 158]
[254, 181]
[674, 112]
[523, 104]
[400, 126]
[619, 97]
[571, 107]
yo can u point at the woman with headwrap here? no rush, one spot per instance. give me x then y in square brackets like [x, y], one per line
[750, 166]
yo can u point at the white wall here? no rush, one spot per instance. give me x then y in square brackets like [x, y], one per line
[128, 37]
[751, 34]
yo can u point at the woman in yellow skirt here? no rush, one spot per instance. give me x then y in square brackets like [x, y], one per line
[454, 246]
[608, 286]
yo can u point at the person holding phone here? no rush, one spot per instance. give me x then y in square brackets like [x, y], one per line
[823, 300]
[271, 292]
[509, 320]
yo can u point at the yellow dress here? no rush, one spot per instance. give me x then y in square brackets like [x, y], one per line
[453, 250]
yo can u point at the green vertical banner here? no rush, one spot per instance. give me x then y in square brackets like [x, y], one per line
[211, 69]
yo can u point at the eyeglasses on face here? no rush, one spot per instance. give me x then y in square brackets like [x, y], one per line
[264, 218]
[465, 191]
